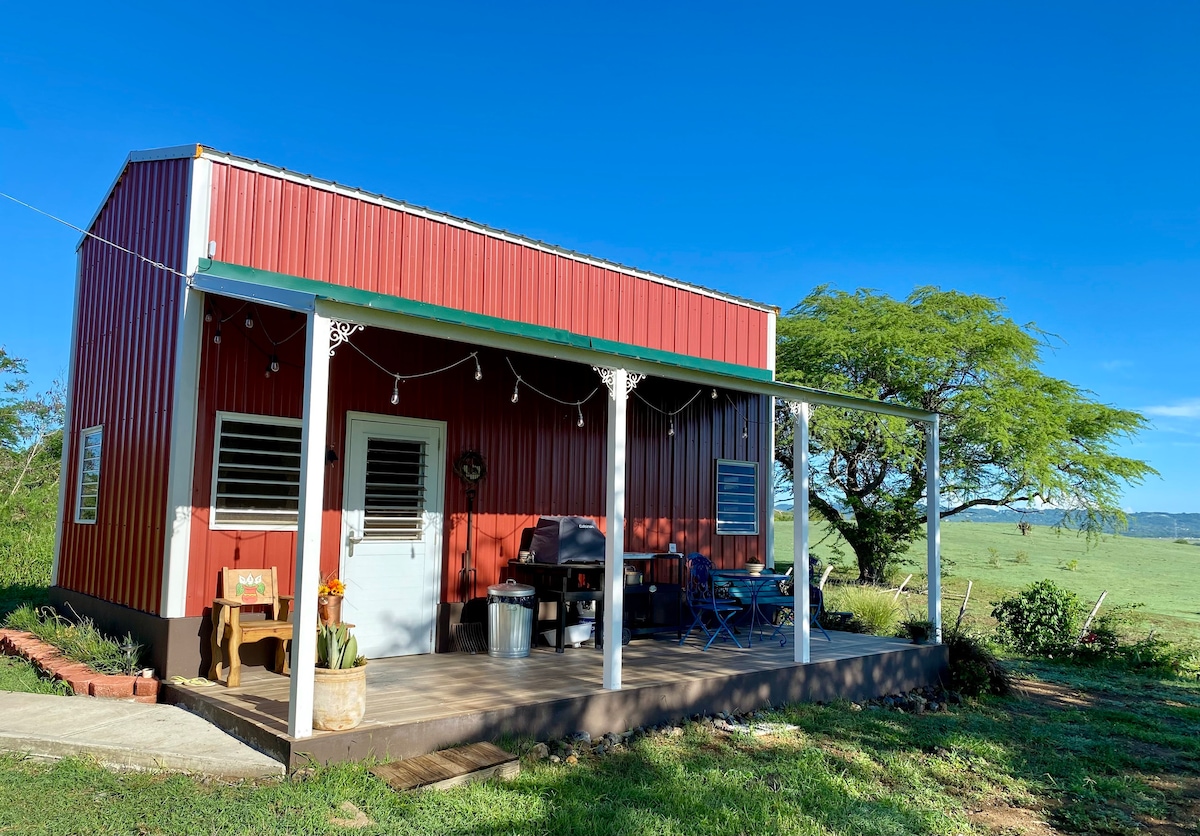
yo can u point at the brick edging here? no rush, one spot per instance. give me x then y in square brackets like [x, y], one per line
[83, 680]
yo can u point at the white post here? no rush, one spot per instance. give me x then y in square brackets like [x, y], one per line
[933, 533]
[800, 573]
[308, 532]
[614, 542]
[770, 475]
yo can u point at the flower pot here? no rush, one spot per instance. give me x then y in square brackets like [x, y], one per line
[339, 698]
[329, 609]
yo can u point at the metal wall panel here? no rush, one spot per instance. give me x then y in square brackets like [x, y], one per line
[124, 361]
[539, 461]
[259, 220]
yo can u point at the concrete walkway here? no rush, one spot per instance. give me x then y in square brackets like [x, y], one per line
[126, 735]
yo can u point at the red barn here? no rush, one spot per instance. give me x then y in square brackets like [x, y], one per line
[271, 370]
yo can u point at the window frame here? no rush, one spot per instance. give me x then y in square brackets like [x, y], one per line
[717, 500]
[222, 416]
[84, 434]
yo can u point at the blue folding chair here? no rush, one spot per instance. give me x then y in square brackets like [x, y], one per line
[702, 600]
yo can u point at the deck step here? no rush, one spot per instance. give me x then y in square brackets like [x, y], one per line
[449, 768]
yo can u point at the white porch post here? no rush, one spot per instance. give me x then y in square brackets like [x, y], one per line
[619, 382]
[800, 574]
[933, 533]
[308, 532]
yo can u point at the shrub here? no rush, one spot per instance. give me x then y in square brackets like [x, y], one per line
[1022, 557]
[974, 668]
[918, 629]
[1041, 620]
[875, 609]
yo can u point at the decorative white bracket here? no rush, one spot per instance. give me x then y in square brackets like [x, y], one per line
[339, 332]
[632, 379]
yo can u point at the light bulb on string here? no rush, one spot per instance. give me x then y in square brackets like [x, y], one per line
[249, 320]
[478, 368]
[579, 423]
[516, 395]
[267, 371]
[217, 336]
[274, 363]
[745, 430]
[208, 315]
[671, 432]
[714, 394]
[396, 390]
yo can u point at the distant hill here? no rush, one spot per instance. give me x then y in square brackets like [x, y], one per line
[1142, 524]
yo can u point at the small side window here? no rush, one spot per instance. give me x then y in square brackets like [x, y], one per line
[737, 497]
[87, 496]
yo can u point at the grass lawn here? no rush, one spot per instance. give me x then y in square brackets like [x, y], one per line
[18, 675]
[1083, 751]
[1162, 575]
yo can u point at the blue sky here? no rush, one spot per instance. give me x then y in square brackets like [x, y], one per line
[1046, 154]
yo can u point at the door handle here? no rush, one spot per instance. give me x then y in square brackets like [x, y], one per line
[351, 540]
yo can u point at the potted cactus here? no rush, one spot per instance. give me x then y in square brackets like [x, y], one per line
[340, 684]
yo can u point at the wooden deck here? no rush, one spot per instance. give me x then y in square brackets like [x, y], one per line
[419, 704]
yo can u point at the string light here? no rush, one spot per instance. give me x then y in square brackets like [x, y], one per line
[577, 404]
[745, 430]
[274, 363]
[671, 414]
[478, 369]
[249, 320]
[714, 394]
[217, 336]
[208, 315]
[396, 390]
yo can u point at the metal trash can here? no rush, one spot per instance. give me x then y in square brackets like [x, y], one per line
[510, 619]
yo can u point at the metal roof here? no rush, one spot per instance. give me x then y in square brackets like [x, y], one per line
[382, 310]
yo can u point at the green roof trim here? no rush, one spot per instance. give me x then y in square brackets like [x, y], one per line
[482, 322]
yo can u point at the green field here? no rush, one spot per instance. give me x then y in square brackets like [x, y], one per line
[1162, 575]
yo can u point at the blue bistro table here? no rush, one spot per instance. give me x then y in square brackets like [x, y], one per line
[749, 589]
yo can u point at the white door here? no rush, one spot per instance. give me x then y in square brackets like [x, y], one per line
[392, 532]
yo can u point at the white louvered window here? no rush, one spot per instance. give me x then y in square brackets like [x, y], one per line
[87, 497]
[256, 473]
[395, 488]
[737, 497]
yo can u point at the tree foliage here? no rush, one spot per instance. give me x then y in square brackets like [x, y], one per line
[1010, 434]
[30, 454]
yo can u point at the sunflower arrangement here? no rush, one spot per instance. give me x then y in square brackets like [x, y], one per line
[331, 586]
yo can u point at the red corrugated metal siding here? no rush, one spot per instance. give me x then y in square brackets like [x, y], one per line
[262, 221]
[124, 360]
[539, 461]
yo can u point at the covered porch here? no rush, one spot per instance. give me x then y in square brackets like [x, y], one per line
[418, 704]
[631, 687]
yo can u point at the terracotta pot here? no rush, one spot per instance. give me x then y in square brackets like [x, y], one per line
[339, 698]
[329, 609]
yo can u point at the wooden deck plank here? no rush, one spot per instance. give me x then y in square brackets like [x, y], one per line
[449, 768]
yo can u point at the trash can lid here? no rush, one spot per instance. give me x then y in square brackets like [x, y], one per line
[511, 589]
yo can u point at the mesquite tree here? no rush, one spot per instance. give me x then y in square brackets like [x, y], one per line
[1010, 434]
